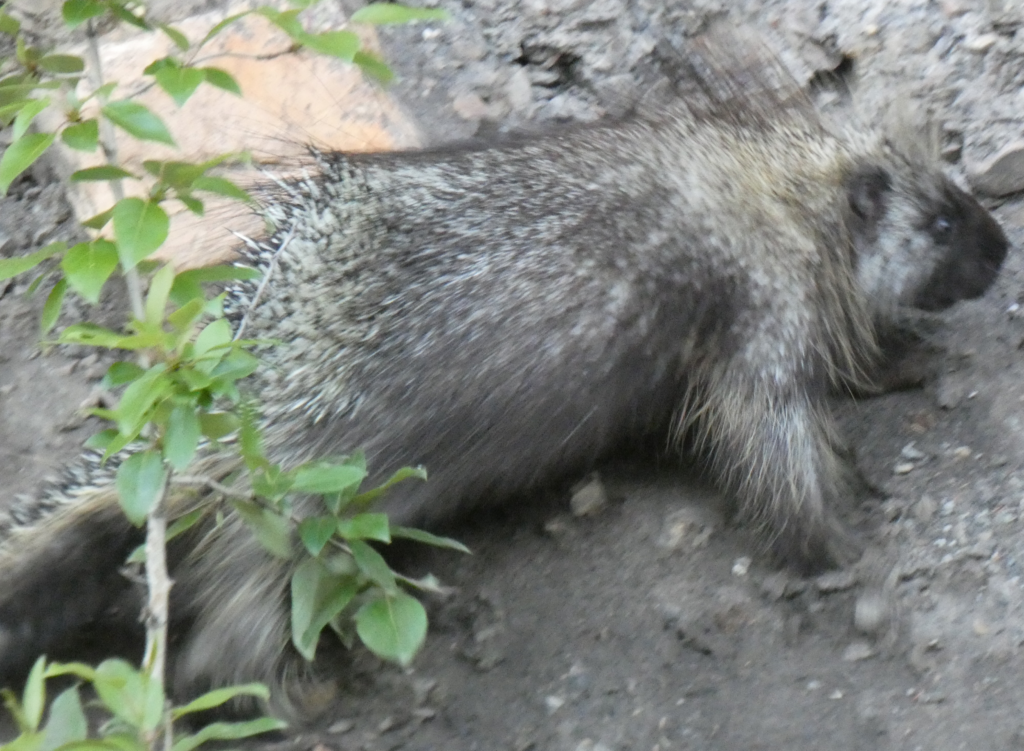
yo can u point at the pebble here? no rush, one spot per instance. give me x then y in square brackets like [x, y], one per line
[1001, 174]
[924, 509]
[911, 452]
[590, 498]
[869, 613]
[857, 651]
[835, 581]
[903, 468]
[554, 703]
[741, 566]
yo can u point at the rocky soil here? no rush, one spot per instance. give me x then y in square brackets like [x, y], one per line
[633, 615]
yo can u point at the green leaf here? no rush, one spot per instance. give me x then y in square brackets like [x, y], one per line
[141, 396]
[405, 473]
[121, 11]
[237, 365]
[132, 695]
[287, 21]
[222, 80]
[52, 306]
[184, 523]
[426, 538]
[393, 627]
[100, 441]
[216, 425]
[77, 12]
[9, 25]
[121, 373]
[159, 290]
[391, 13]
[221, 186]
[185, 317]
[33, 698]
[180, 83]
[181, 438]
[373, 566]
[138, 121]
[103, 172]
[11, 267]
[211, 345]
[219, 696]
[140, 228]
[317, 597]
[315, 531]
[218, 28]
[272, 530]
[87, 266]
[26, 115]
[67, 64]
[192, 204]
[340, 44]
[79, 669]
[188, 284]
[365, 527]
[20, 155]
[66, 722]
[99, 221]
[179, 39]
[92, 335]
[250, 443]
[326, 477]
[140, 481]
[373, 66]
[113, 742]
[228, 731]
[83, 136]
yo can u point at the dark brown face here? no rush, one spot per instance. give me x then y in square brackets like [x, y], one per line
[975, 248]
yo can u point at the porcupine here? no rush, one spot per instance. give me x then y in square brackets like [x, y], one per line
[507, 314]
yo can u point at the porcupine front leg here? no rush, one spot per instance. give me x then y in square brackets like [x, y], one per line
[771, 443]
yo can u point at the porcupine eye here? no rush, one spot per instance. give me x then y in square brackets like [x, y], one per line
[941, 229]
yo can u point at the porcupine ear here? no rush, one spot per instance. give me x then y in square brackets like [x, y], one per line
[867, 190]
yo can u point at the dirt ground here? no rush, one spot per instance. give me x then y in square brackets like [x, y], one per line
[652, 623]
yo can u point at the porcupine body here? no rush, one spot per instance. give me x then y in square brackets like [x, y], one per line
[506, 315]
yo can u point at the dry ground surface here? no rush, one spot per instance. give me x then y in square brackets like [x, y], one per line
[652, 623]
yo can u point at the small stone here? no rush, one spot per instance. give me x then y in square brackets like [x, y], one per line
[980, 43]
[857, 651]
[835, 581]
[518, 90]
[741, 566]
[962, 452]
[589, 498]
[470, 107]
[424, 714]
[421, 690]
[911, 452]
[557, 526]
[924, 509]
[774, 586]
[903, 468]
[869, 613]
[813, 685]
[980, 628]
[1001, 174]
[554, 703]
[341, 726]
[835, 695]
